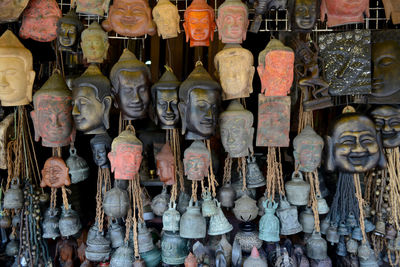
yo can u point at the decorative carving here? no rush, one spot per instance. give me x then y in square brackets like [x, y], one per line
[196, 161]
[11, 10]
[167, 19]
[305, 14]
[166, 165]
[94, 43]
[232, 21]
[308, 147]
[342, 12]
[55, 173]
[91, 7]
[69, 29]
[387, 122]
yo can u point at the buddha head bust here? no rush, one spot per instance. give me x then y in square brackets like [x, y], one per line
[387, 122]
[236, 125]
[39, 20]
[305, 14]
[101, 145]
[275, 68]
[166, 17]
[354, 145]
[342, 12]
[91, 97]
[92, 7]
[196, 161]
[307, 152]
[94, 43]
[69, 29]
[12, 9]
[126, 155]
[16, 70]
[199, 104]
[55, 173]
[199, 23]
[232, 21]
[166, 165]
[52, 118]
[165, 100]
[235, 70]
[130, 18]
[131, 80]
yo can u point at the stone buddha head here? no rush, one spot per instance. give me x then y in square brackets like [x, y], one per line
[342, 12]
[39, 20]
[232, 21]
[234, 65]
[52, 118]
[387, 122]
[354, 145]
[199, 97]
[305, 14]
[199, 23]
[94, 43]
[166, 165]
[165, 100]
[131, 81]
[91, 97]
[130, 18]
[236, 126]
[69, 29]
[12, 9]
[196, 161]
[101, 145]
[308, 146]
[16, 70]
[166, 17]
[92, 7]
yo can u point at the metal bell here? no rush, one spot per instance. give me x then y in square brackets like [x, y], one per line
[316, 247]
[364, 251]
[370, 261]
[246, 208]
[208, 207]
[352, 246]
[343, 229]
[254, 177]
[50, 223]
[323, 207]
[351, 220]
[260, 202]
[174, 248]
[78, 167]
[116, 202]
[13, 197]
[357, 234]
[12, 248]
[117, 234]
[341, 249]
[144, 238]
[288, 217]
[192, 224]
[325, 225]
[307, 220]
[369, 226]
[380, 228]
[69, 223]
[122, 257]
[247, 237]
[219, 225]
[390, 232]
[171, 218]
[269, 223]
[297, 190]
[160, 202]
[152, 258]
[98, 248]
[332, 234]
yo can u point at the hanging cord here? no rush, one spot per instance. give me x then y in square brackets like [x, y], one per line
[360, 200]
[227, 169]
[99, 210]
[194, 190]
[274, 173]
[305, 117]
[212, 181]
[134, 219]
[174, 143]
[313, 200]
[243, 164]
[394, 184]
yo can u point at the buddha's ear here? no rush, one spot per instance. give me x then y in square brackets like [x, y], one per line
[182, 113]
[30, 80]
[185, 27]
[251, 76]
[106, 46]
[330, 162]
[35, 125]
[245, 30]
[219, 26]
[382, 158]
[106, 111]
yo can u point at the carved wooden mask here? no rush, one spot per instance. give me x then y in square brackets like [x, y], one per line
[196, 161]
[94, 43]
[232, 21]
[55, 173]
[342, 12]
[166, 165]
[166, 17]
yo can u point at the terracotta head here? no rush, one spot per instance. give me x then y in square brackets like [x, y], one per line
[69, 29]
[236, 126]
[275, 68]
[16, 70]
[308, 147]
[94, 43]
[199, 97]
[39, 20]
[101, 145]
[130, 18]
[166, 165]
[91, 97]
[305, 14]
[11, 9]
[232, 21]
[354, 145]
[55, 173]
[387, 122]
[165, 100]
[52, 118]
[342, 12]
[199, 23]
[6, 133]
[126, 155]
[92, 7]
[166, 17]
[131, 81]
[196, 161]
[236, 71]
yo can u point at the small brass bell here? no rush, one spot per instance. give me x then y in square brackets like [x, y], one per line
[245, 209]
[183, 202]
[208, 207]
[144, 238]
[325, 225]
[98, 248]
[174, 248]
[380, 228]
[254, 260]
[227, 195]
[117, 234]
[316, 247]
[50, 223]
[370, 261]
[307, 220]
[341, 249]
[69, 223]
[78, 167]
[352, 246]
[247, 237]
[269, 223]
[288, 217]
[254, 177]
[171, 218]
[160, 202]
[332, 234]
[116, 203]
[297, 190]
[193, 224]
[219, 225]
[323, 207]
[369, 226]
[356, 234]
[351, 220]
[122, 257]
[343, 229]
[151, 258]
[13, 197]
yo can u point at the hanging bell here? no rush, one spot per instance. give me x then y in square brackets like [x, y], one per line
[297, 190]
[380, 228]
[174, 248]
[208, 207]
[116, 233]
[356, 234]
[78, 167]
[369, 226]
[159, 204]
[183, 202]
[69, 223]
[227, 195]
[171, 218]
[116, 203]
[219, 225]
[5, 221]
[144, 238]
[364, 251]
[254, 260]
[323, 207]
[239, 192]
[390, 232]
[341, 249]
[316, 247]
[245, 209]
[343, 229]
[351, 220]
[307, 220]
[122, 257]
[288, 217]
[254, 177]
[352, 246]
[332, 234]
[12, 248]
[50, 223]
[13, 197]
[370, 261]
[247, 237]
[151, 258]
[269, 223]
[192, 224]
[16, 220]
[98, 248]
[325, 225]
